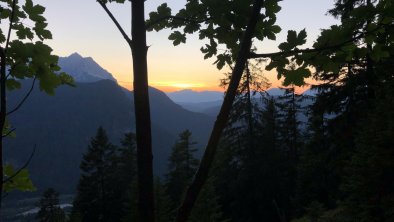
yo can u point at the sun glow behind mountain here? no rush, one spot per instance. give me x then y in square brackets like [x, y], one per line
[170, 86]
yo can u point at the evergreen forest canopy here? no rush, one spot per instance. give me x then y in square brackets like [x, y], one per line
[263, 162]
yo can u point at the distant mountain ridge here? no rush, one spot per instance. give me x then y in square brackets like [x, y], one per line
[209, 102]
[83, 69]
[191, 96]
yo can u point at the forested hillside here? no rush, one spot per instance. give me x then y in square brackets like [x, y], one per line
[78, 111]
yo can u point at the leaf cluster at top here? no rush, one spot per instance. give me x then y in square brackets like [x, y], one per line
[366, 31]
[219, 23]
[26, 55]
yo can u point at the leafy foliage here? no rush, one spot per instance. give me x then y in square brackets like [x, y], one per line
[361, 33]
[27, 56]
[294, 69]
[220, 24]
[18, 180]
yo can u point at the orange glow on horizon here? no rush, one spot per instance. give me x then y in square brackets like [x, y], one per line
[175, 86]
[198, 87]
[210, 85]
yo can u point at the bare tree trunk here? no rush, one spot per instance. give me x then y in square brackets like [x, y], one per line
[3, 98]
[3, 113]
[142, 113]
[249, 110]
[139, 51]
[221, 121]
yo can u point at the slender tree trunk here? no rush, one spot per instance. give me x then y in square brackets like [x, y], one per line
[141, 104]
[3, 113]
[294, 129]
[249, 110]
[142, 113]
[221, 121]
[371, 79]
[3, 97]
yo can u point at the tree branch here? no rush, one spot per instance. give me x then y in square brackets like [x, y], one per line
[308, 50]
[125, 36]
[23, 167]
[3, 111]
[24, 98]
[10, 27]
[8, 133]
[152, 23]
[297, 51]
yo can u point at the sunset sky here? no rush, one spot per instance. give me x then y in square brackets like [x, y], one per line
[82, 26]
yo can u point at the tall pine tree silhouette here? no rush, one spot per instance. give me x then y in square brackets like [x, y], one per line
[97, 199]
[182, 166]
[49, 207]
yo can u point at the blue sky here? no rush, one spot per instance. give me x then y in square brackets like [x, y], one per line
[82, 26]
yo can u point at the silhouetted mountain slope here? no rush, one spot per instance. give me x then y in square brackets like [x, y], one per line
[61, 126]
[174, 118]
[200, 107]
[212, 111]
[188, 95]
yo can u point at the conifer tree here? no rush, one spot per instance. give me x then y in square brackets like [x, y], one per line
[345, 158]
[163, 206]
[289, 107]
[125, 179]
[240, 146]
[290, 142]
[368, 178]
[97, 199]
[127, 158]
[317, 182]
[207, 208]
[125, 175]
[252, 183]
[131, 206]
[164, 209]
[49, 207]
[268, 123]
[182, 166]
[272, 164]
[242, 120]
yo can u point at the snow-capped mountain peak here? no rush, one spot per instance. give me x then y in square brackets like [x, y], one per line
[83, 69]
